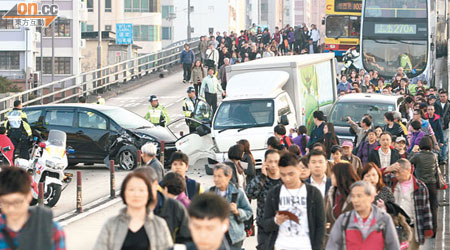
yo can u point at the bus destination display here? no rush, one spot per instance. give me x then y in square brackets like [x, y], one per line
[403, 29]
[348, 5]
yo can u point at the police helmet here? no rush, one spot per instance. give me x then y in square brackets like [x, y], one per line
[153, 98]
[190, 89]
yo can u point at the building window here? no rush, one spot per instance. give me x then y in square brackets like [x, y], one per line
[90, 5]
[9, 60]
[108, 6]
[90, 28]
[6, 24]
[83, 26]
[141, 5]
[62, 28]
[166, 10]
[166, 33]
[107, 27]
[146, 33]
[62, 65]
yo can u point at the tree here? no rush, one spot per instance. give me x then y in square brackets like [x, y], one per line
[7, 86]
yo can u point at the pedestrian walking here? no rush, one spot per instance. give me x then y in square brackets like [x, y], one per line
[149, 151]
[259, 187]
[210, 88]
[338, 197]
[212, 57]
[235, 154]
[174, 186]
[179, 163]
[239, 206]
[203, 46]
[188, 107]
[360, 228]
[372, 174]
[391, 126]
[385, 154]
[318, 166]
[157, 114]
[208, 222]
[317, 134]
[347, 155]
[198, 73]
[329, 139]
[18, 130]
[186, 60]
[172, 211]
[22, 226]
[135, 227]
[294, 212]
[248, 159]
[442, 108]
[425, 169]
[366, 146]
[302, 139]
[223, 73]
[412, 196]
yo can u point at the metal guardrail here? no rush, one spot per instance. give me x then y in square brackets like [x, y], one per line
[95, 81]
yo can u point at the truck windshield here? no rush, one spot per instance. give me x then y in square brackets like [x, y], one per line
[244, 114]
[357, 110]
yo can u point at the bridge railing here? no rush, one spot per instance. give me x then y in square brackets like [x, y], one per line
[98, 80]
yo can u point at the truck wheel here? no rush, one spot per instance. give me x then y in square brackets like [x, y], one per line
[127, 157]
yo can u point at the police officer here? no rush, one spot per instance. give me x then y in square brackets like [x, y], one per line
[157, 114]
[100, 100]
[188, 107]
[19, 131]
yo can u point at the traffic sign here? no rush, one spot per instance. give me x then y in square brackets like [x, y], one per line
[124, 33]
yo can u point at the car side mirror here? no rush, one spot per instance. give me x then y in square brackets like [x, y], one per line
[203, 130]
[284, 120]
[7, 149]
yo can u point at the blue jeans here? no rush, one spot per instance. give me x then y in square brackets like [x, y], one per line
[443, 155]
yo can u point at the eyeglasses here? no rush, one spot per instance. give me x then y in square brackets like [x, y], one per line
[14, 204]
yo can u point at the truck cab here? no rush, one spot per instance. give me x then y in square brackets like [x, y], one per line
[249, 112]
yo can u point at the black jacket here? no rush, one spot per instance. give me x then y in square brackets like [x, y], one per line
[176, 216]
[444, 113]
[315, 212]
[317, 135]
[374, 156]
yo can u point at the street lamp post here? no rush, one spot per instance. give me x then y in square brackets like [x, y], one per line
[99, 46]
[189, 21]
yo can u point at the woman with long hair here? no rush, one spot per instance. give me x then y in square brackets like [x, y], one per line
[338, 201]
[302, 139]
[372, 174]
[330, 139]
[235, 154]
[249, 159]
[198, 73]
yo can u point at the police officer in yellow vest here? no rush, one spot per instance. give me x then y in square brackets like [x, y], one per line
[157, 114]
[19, 131]
[188, 107]
[100, 100]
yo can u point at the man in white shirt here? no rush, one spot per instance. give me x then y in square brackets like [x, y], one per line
[318, 164]
[210, 88]
[294, 213]
[315, 36]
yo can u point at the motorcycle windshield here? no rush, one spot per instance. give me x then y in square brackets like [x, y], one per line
[57, 138]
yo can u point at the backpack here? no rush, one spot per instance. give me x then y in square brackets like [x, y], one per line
[347, 217]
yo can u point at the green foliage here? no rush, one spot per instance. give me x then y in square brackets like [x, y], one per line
[7, 86]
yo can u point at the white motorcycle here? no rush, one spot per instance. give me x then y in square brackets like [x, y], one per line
[47, 164]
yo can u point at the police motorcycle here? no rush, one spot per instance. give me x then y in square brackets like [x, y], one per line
[351, 60]
[46, 165]
[4, 161]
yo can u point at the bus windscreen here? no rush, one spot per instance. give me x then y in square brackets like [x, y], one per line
[396, 8]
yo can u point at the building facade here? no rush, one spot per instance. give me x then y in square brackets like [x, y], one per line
[145, 15]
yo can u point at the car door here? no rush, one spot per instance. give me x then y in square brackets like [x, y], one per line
[93, 133]
[61, 119]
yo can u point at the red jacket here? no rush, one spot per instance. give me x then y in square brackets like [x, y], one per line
[4, 142]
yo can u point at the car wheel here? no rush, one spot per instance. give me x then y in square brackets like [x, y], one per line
[127, 157]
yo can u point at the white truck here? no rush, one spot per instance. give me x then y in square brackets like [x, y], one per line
[260, 95]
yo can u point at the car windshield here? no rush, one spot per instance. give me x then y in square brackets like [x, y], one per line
[244, 114]
[385, 56]
[396, 8]
[356, 110]
[343, 26]
[127, 119]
